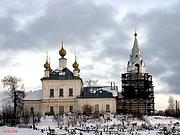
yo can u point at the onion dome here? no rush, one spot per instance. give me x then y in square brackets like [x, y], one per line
[46, 65]
[75, 64]
[62, 51]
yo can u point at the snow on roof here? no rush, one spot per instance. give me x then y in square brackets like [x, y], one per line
[100, 91]
[113, 90]
[34, 95]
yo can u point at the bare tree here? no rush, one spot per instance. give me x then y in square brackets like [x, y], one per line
[171, 102]
[91, 83]
[11, 82]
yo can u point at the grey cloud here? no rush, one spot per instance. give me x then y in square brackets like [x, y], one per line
[7, 61]
[83, 25]
[88, 67]
[79, 22]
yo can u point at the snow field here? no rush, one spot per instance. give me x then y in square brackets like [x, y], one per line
[110, 124]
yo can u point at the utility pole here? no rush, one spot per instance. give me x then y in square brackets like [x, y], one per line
[176, 108]
[15, 105]
[33, 120]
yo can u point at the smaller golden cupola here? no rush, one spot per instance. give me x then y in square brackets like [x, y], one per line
[76, 67]
[46, 65]
[75, 64]
[62, 51]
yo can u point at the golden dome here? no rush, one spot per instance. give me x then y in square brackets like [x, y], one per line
[62, 52]
[75, 64]
[46, 65]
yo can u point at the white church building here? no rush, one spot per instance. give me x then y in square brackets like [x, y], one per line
[63, 91]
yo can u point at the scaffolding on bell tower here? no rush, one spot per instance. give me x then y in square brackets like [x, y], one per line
[137, 96]
[138, 93]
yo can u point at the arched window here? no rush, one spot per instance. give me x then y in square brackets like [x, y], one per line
[137, 65]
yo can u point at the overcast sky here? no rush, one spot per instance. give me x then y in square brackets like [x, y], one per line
[100, 32]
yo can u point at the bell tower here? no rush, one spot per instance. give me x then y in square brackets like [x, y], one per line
[136, 63]
[137, 85]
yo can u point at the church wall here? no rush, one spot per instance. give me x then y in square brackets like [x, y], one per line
[66, 101]
[56, 103]
[101, 102]
[36, 104]
[76, 85]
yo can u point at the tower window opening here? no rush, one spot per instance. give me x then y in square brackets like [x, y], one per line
[137, 65]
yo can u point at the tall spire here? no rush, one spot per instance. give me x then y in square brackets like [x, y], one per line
[135, 49]
[136, 63]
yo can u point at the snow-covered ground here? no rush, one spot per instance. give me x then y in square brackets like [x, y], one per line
[107, 124]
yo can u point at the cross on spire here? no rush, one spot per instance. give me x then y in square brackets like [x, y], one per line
[135, 34]
[47, 56]
[62, 41]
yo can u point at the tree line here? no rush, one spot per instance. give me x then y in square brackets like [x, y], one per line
[173, 108]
